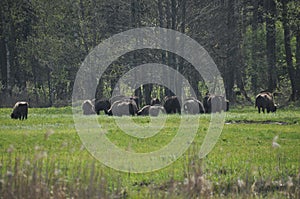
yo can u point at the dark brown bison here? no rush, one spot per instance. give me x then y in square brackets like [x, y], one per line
[193, 106]
[88, 107]
[156, 109]
[123, 107]
[151, 110]
[265, 101]
[172, 105]
[144, 111]
[215, 103]
[102, 105]
[20, 111]
[122, 97]
[154, 101]
[205, 103]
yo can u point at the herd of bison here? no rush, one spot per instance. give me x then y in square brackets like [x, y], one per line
[122, 105]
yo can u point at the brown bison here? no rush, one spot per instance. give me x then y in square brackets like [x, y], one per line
[156, 109]
[123, 107]
[154, 101]
[102, 105]
[122, 97]
[88, 107]
[264, 101]
[144, 111]
[151, 110]
[172, 105]
[20, 111]
[215, 103]
[193, 106]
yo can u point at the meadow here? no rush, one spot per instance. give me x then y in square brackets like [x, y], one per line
[257, 155]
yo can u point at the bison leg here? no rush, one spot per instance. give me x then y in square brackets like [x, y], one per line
[258, 109]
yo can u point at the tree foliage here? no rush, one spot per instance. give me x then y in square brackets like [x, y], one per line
[255, 44]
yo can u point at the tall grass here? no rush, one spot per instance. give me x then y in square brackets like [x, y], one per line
[44, 158]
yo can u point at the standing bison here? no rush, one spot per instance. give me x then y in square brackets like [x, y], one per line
[172, 105]
[102, 105]
[154, 101]
[122, 97]
[123, 107]
[20, 111]
[144, 111]
[193, 106]
[155, 110]
[215, 103]
[264, 101]
[88, 107]
[151, 110]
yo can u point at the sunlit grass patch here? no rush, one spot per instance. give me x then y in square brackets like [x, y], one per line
[43, 157]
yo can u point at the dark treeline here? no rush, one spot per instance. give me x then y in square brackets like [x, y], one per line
[255, 44]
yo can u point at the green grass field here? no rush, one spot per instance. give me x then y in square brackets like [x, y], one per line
[43, 157]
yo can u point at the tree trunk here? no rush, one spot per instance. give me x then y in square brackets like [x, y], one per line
[270, 6]
[49, 86]
[288, 50]
[161, 24]
[297, 80]
[254, 47]
[3, 63]
[83, 26]
[147, 88]
[232, 51]
[168, 92]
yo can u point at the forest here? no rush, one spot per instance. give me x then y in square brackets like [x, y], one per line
[255, 44]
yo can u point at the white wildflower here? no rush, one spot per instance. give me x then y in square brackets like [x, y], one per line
[186, 181]
[9, 174]
[10, 148]
[290, 183]
[240, 183]
[274, 143]
[48, 133]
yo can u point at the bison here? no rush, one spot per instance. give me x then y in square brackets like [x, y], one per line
[154, 101]
[88, 107]
[215, 103]
[264, 101]
[123, 107]
[122, 97]
[102, 105]
[20, 111]
[156, 109]
[172, 105]
[193, 106]
[144, 111]
[151, 110]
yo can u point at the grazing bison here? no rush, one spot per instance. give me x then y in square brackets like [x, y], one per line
[122, 97]
[265, 101]
[102, 105]
[156, 109]
[172, 105]
[215, 103]
[20, 111]
[155, 101]
[123, 107]
[144, 111]
[151, 110]
[88, 107]
[205, 103]
[193, 106]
